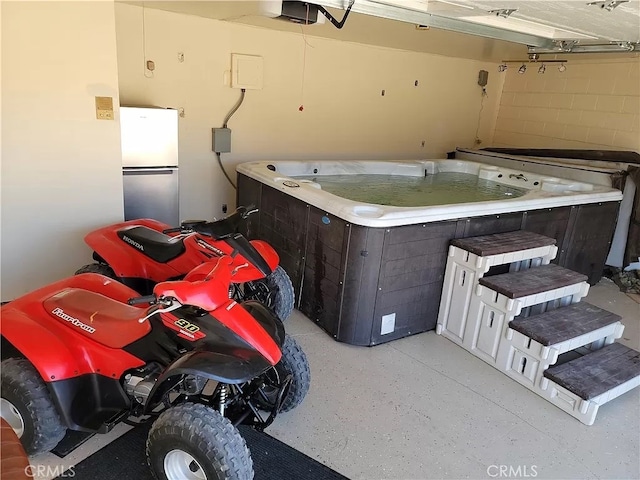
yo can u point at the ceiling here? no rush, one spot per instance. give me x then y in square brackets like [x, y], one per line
[483, 30]
[584, 20]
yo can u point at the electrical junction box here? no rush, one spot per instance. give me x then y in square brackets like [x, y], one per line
[246, 71]
[221, 140]
[483, 78]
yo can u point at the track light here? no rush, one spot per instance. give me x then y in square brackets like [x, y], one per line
[542, 66]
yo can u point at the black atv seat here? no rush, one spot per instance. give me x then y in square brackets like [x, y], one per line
[153, 244]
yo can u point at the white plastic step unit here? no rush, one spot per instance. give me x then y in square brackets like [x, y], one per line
[522, 322]
[471, 258]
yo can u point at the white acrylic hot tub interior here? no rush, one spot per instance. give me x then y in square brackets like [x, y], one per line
[543, 191]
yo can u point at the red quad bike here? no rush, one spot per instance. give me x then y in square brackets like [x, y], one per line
[80, 356]
[141, 253]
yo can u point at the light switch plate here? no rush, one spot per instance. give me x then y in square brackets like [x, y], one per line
[104, 108]
[246, 71]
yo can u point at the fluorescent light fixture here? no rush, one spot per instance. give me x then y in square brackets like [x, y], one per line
[445, 7]
[572, 47]
[417, 5]
[526, 26]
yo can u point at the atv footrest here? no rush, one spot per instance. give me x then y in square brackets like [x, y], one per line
[107, 426]
[70, 442]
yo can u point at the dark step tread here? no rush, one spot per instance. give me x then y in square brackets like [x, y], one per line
[499, 243]
[532, 281]
[563, 323]
[597, 372]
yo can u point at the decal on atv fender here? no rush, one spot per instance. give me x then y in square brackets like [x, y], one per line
[58, 312]
[188, 326]
[187, 330]
[132, 242]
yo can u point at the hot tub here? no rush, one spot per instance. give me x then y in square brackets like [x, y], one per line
[368, 273]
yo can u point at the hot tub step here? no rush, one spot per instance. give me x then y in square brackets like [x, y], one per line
[469, 259]
[598, 372]
[533, 281]
[582, 385]
[533, 344]
[503, 243]
[498, 299]
[562, 324]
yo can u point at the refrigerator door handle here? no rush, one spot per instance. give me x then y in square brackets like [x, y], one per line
[149, 171]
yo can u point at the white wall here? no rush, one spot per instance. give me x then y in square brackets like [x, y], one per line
[61, 167]
[344, 114]
[594, 104]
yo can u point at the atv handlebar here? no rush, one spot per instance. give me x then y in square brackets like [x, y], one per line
[248, 210]
[144, 299]
[223, 227]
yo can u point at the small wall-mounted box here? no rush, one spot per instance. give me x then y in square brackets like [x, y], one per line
[221, 140]
[483, 78]
[246, 71]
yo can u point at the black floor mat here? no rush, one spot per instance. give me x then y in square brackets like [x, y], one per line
[125, 458]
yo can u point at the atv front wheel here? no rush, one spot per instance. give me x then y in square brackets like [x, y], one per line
[100, 268]
[274, 291]
[293, 362]
[26, 405]
[194, 442]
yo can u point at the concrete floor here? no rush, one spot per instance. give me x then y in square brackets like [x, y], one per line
[422, 408]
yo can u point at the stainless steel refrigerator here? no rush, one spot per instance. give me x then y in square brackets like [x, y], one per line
[149, 139]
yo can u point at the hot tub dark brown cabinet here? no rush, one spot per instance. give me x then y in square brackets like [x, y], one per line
[366, 285]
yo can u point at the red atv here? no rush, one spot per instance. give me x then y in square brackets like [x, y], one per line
[81, 357]
[141, 253]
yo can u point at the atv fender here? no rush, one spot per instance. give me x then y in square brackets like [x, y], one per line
[58, 353]
[233, 367]
[126, 261]
[55, 350]
[267, 252]
[46, 352]
[247, 270]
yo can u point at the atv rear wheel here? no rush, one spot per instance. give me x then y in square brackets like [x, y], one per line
[26, 405]
[274, 291]
[293, 362]
[194, 442]
[100, 268]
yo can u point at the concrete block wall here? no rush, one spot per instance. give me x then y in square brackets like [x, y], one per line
[592, 104]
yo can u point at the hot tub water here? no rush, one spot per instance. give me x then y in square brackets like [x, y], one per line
[442, 188]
